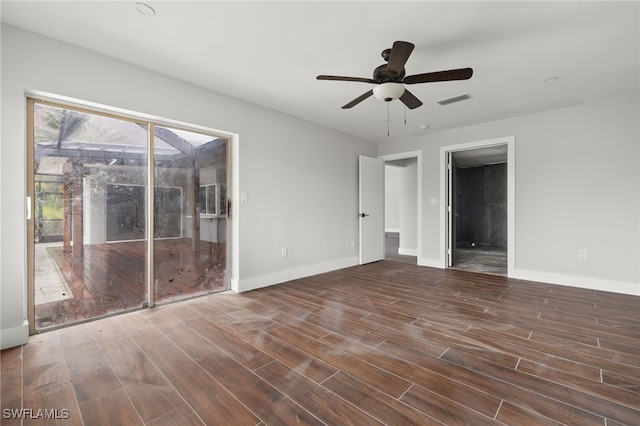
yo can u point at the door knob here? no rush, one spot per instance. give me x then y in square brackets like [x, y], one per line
[363, 214]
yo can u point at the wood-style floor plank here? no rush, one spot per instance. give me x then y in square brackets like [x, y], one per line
[149, 391]
[196, 386]
[384, 343]
[370, 374]
[454, 391]
[323, 403]
[442, 408]
[379, 404]
[113, 408]
[269, 404]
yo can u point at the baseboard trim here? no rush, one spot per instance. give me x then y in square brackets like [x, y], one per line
[266, 280]
[522, 274]
[407, 252]
[14, 336]
[581, 282]
[431, 263]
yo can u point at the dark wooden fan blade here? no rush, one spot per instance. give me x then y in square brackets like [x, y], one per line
[357, 100]
[410, 100]
[430, 77]
[339, 78]
[398, 57]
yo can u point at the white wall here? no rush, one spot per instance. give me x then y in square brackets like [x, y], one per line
[392, 200]
[577, 186]
[301, 178]
[409, 208]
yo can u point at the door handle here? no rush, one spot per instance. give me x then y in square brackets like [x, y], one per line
[362, 215]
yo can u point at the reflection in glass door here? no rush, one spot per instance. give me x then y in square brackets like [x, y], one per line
[189, 249]
[89, 179]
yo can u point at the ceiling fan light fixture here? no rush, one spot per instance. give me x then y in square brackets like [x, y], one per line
[388, 91]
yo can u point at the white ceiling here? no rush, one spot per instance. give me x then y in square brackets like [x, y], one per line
[269, 53]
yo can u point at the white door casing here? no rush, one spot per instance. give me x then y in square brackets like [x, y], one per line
[451, 214]
[511, 204]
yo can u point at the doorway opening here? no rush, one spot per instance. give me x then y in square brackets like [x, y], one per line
[479, 207]
[94, 248]
[402, 213]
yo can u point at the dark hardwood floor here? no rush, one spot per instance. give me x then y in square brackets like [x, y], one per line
[384, 343]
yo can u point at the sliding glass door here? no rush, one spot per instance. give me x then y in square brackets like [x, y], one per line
[190, 222]
[93, 179]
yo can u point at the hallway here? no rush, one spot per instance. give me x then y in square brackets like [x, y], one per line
[391, 246]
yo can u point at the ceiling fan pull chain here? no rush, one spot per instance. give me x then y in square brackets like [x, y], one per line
[388, 118]
[405, 115]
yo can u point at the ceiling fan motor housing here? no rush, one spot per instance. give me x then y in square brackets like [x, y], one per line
[380, 75]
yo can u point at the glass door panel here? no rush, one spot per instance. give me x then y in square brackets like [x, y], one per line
[89, 219]
[190, 214]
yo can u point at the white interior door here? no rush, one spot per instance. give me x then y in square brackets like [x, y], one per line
[371, 205]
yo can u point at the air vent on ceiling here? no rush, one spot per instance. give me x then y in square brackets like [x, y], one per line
[455, 99]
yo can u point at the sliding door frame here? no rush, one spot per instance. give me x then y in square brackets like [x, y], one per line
[151, 122]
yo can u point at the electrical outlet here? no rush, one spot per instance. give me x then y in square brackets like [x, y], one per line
[284, 252]
[582, 254]
[353, 243]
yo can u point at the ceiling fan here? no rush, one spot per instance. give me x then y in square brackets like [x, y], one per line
[390, 78]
